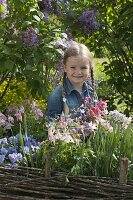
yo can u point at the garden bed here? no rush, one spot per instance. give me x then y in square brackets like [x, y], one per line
[31, 183]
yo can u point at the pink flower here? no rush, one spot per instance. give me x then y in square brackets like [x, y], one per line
[102, 104]
[87, 101]
[18, 116]
[95, 111]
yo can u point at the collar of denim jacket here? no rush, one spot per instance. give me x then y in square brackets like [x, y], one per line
[69, 87]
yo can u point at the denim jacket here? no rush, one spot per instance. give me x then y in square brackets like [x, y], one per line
[74, 99]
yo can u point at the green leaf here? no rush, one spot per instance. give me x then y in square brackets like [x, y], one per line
[9, 64]
[7, 50]
[2, 9]
[26, 23]
[36, 18]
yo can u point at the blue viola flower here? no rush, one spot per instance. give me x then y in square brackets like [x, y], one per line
[4, 151]
[2, 158]
[26, 150]
[19, 156]
[13, 157]
[3, 141]
[11, 150]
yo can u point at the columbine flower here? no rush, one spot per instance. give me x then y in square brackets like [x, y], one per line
[6, 122]
[102, 104]
[120, 118]
[88, 22]
[95, 111]
[18, 116]
[37, 111]
[87, 101]
[30, 38]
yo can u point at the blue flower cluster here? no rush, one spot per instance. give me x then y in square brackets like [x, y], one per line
[88, 22]
[12, 152]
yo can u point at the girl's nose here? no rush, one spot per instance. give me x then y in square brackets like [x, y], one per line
[79, 72]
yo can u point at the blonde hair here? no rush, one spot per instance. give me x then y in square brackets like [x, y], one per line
[78, 49]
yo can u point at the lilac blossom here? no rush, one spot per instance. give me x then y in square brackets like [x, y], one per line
[30, 38]
[69, 35]
[88, 22]
[50, 7]
[59, 68]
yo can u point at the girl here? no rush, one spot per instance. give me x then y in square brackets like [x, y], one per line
[77, 64]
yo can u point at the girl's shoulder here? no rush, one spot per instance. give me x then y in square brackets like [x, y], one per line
[56, 93]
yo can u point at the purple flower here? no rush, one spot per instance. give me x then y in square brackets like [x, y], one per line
[30, 38]
[49, 7]
[88, 22]
[13, 157]
[69, 35]
[74, 130]
[4, 151]
[2, 158]
[12, 139]
[3, 141]
[26, 150]
[19, 156]
[11, 150]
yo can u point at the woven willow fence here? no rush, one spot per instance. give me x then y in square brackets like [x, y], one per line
[32, 183]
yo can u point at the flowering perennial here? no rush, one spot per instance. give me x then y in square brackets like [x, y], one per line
[11, 150]
[74, 127]
[88, 22]
[49, 6]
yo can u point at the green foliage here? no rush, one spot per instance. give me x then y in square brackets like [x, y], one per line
[99, 155]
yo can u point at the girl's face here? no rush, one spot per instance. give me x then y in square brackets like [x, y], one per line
[77, 69]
